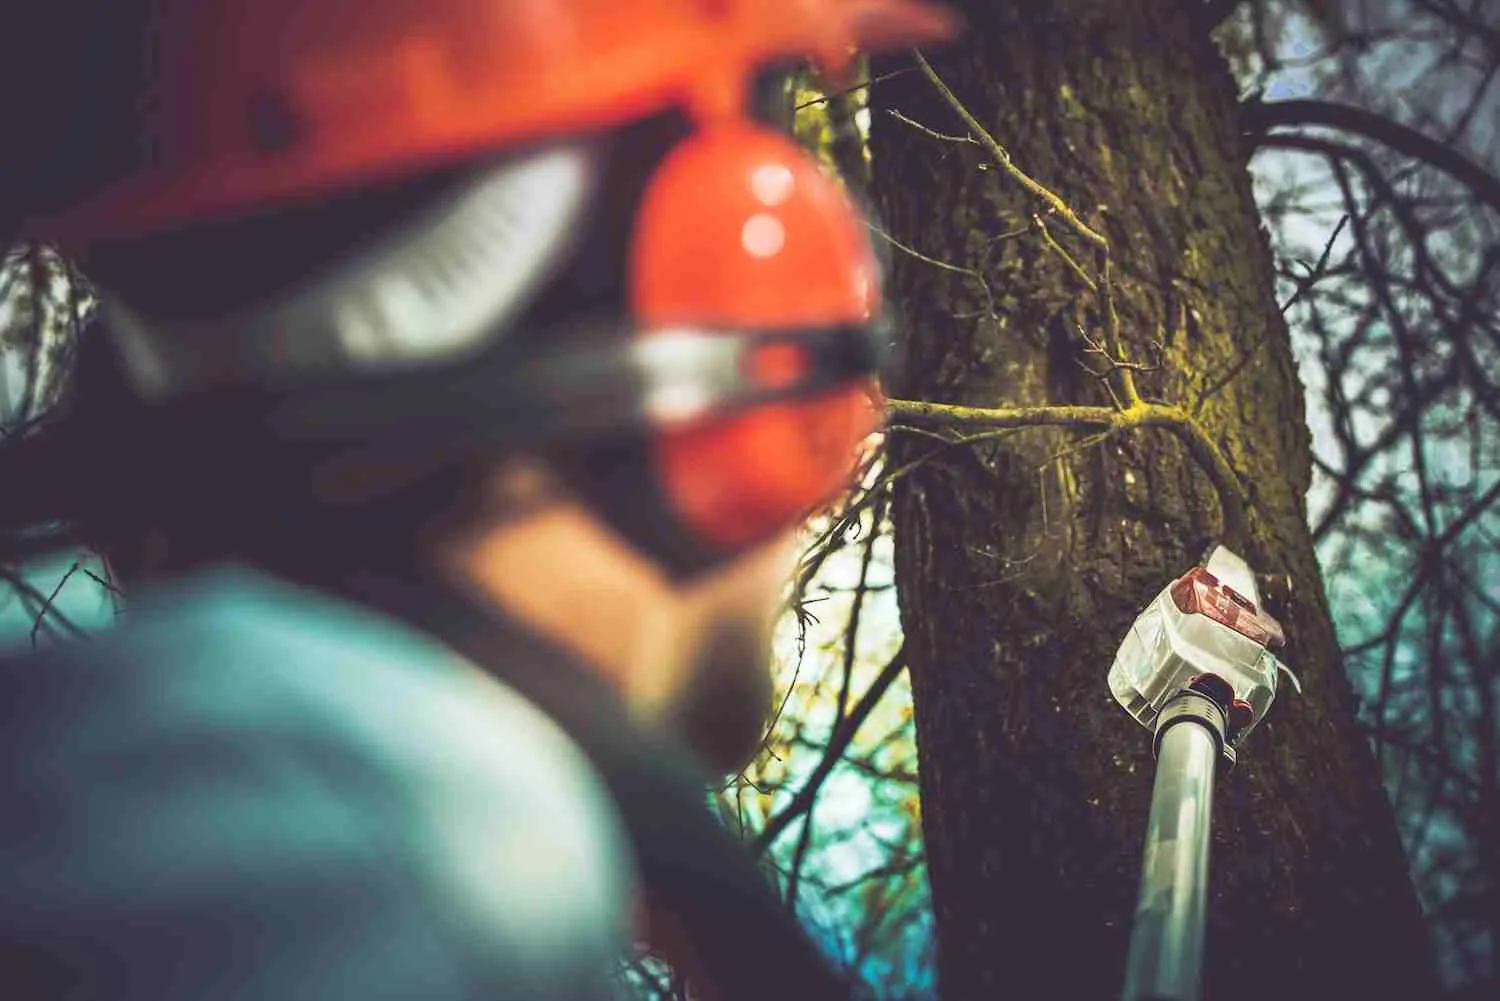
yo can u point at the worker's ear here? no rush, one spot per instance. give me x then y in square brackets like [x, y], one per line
[519, 486]
[476, 500]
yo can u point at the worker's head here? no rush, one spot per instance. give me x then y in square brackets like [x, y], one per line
[399, 263]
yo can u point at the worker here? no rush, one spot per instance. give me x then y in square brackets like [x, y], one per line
[480, 359]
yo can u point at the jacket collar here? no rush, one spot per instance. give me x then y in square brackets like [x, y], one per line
[741, 937]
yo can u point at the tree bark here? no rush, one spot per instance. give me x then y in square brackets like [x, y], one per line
[1018, 575]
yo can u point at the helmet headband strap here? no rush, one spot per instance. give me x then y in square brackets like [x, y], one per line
[434, 289]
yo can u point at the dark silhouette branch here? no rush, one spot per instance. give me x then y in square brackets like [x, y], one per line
[1260, 118]
[838, 743]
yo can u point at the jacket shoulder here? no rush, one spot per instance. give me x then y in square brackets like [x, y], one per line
[294, 797]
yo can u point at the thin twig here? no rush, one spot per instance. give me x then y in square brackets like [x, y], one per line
[850, 90]
[898, 116]
[1112, 328]
[984, 284]
[1061, 251]
[1249, 353]
[47, 604]
[1003, 160]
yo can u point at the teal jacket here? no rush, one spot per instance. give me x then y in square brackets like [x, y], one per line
[251, 790]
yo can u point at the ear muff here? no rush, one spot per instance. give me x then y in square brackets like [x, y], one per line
[743, 479]
[741, 229]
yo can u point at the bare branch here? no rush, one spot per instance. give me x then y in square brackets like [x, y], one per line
[1204, 451]
[843, 735]
[1263, 117]
[1003, 160]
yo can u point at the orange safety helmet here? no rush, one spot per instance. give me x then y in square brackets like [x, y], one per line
[255, 102]
[739, 232]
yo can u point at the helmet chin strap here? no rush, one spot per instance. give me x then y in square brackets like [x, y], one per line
[441, 286]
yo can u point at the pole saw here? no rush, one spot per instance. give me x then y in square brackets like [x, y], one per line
[1198, 670]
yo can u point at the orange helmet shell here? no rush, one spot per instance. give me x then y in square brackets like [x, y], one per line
[735, 211]
[742, 229]
[259, 102]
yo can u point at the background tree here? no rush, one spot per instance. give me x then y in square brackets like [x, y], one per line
[1105, 312]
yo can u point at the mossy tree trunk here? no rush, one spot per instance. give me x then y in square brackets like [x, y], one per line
[1019, 572]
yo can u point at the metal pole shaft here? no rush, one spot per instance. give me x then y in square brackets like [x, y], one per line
[1166, 944]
